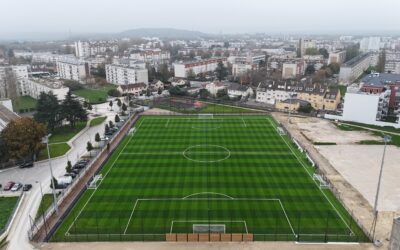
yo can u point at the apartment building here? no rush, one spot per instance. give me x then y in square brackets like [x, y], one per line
[122, 75]
[197, 67]
[370, 44]
[338, 56]
[305, 44]
[6, 113]
[392, 62]
[92, 48]
[17, 74]
[320, 96]
[354, 68]
[35, 86]
[154, 57]
[132, 89]
[48, 57]
[73, 69]
[239, 69]
[292, 69]
[250, 58]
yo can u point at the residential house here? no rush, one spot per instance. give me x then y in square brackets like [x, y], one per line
[132, 89]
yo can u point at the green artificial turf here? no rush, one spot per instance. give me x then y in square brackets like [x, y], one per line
[238, 172]
[7, 205]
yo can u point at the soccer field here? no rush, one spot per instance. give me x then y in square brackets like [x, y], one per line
[225, 174]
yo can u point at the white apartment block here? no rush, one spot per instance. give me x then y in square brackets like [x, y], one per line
[338, 56]
[354, 68]
[272, 92]
[35, 86]
[214, 87]
[92, 48]
[154, 57]
[239, 69]
[292, 70]
[250, 58]
[392, 63]
[48, 57]
[198, 67]
[305, 44]
[122, 75]
[73, 69]
[368, 44]
[19, 72]
[365, 107]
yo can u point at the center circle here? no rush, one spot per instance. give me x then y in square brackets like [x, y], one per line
[206, 153]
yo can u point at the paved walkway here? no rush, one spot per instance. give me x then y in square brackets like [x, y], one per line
[40, 175]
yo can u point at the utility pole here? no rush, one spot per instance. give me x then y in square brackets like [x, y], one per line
[46, 140]
[386, 139]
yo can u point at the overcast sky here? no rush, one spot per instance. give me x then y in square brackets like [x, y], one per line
[211, 16]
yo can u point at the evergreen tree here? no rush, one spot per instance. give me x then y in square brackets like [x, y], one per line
[72, 110]
[221, 71]
[110, 104]
[48, 110]
[116, 119]
[97, 137]
[68, 168]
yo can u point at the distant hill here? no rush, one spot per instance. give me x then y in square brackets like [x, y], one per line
[162, 33]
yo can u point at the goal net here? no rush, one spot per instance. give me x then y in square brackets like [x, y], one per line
[322, 183]
[208, 228]
[206, 116]
[96, 179]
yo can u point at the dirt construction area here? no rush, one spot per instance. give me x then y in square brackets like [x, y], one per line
[352, 169]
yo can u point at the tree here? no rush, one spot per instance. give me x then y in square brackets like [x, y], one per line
[192, 54]
[4, 156]
[124, 107]
[226, 44]
[48, 110]
[159, 91]
[53, 182]
[163, 73]
[312, 51]
[204, 93]
[380, 67]
[114, 93]
[106, 128]
[190, 74]
[117, 119]
[221, 71]
[148, 92]
[68, 168]
[89, 106]
[310, 69]
[89, 147]
[72, 110]
[23, 137]
[177, 91]
[335, 67]
[97, 137]
[110, 104]
[111, 124]
[324, 52]
[119, 103]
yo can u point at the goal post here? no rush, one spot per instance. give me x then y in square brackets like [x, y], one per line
[205, 116]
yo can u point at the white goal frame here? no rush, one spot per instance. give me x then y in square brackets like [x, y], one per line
[206, 116]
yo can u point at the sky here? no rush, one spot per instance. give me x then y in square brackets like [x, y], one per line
[209, 16]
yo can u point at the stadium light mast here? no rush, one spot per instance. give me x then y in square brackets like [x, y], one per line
[46, 140]
[386, 139]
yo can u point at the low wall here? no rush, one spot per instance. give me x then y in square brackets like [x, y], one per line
[208, 237]
[376, 123]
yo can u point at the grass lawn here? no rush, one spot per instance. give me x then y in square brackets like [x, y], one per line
[23, 104]
[56, 150]
[96, 121]
[7, 205]
[65, 133]
[232, 174]
[45, 203]
[95, 96]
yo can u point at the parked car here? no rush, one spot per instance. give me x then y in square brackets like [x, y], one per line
[26, 165]
[76, 171]
[109, 133]
[79, 166]
[16, 187]
[27, 187]
[72, 174]
[83, 161]
[8, 185]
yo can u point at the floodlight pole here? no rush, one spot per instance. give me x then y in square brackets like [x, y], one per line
[386, 139]
[46, 140]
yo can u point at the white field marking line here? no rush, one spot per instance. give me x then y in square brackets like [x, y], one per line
[166, 125]
[90, 197]
[225, 195]
[287, 218]
[224, 221]
[130, 217]
[326, 197]
[245, 125]
[232, 152]
[201, 199]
